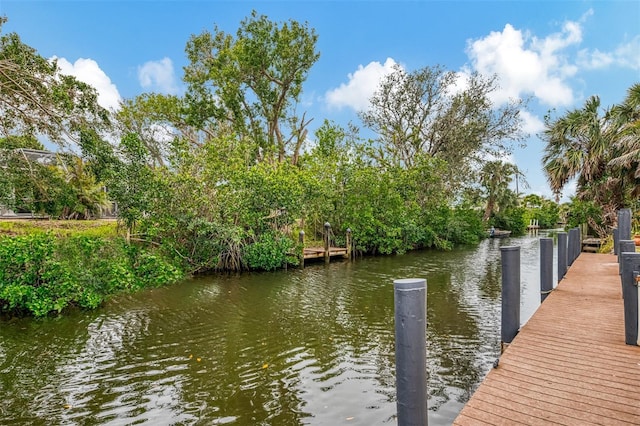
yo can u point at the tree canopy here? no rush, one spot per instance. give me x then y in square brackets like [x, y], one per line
[253, 82]
[424, 112]
[35, 98]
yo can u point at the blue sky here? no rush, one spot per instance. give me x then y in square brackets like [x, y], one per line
[558, 53]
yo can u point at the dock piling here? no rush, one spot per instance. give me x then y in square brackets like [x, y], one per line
[546, 267]
[348, 241]
[624, 224]
[327, 242]
[562, 255]
[616, 239]
[510, 256]
[410, 301]
[629, 277]
[624, 246]
[301, 242]
[571, 246]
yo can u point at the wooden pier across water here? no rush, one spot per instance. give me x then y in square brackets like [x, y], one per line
[569, 363]
[319, 252]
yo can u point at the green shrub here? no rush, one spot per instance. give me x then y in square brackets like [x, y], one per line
[269, 252]
[41, 273]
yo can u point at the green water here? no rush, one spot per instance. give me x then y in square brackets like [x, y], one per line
[312, 346]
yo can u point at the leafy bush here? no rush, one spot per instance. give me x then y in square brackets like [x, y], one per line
[581, 212]
[41, 273]
[511, 220]
[464, 226]
[269, 252]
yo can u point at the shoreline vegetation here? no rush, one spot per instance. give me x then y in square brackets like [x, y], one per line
[225, 176]
[49, 266]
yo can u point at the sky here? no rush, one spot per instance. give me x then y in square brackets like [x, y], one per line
[555, 53]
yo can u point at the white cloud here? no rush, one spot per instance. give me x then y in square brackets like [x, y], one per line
[625, 55]
[628, 54]
[594, 59]
[531, 123]
[361, 86]
[158, 75]
[88, 71]
[527, 65]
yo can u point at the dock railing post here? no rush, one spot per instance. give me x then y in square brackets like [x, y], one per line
[510, 256]
[327, 242]
[571, 246]
[546, 267]
[410, 302]
[624, 224]
[301, 242]
[579, 242]
[630, 281]
[616, 239]
[624, 246]
[562, 255]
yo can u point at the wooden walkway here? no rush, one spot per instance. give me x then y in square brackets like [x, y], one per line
[569, 364]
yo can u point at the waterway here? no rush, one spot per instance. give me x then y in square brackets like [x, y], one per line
[312, 346]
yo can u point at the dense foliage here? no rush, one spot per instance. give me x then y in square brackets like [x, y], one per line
[41, 273]
[37, 99]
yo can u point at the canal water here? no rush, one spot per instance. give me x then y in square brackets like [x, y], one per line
[312, 346]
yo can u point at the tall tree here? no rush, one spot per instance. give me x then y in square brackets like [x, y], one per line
[577, 146]
[600, 149]
[253, 81]
[35, 98]
[495, 178]
[157, 120]
[626, 155]
[422, 112]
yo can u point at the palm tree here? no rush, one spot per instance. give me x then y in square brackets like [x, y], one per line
[90, 197]
[601, 151]
[495, 178]
[626, 155]
[577, 146]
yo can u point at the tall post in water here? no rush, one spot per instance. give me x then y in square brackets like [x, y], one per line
[301, 242]
[562, 255]
[510, 294]
[410, 300]
[327, 242]
[546, 267]
[630, 281]
[616, 239]
[348, 256]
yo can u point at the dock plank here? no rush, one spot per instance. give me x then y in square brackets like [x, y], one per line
[569, 364]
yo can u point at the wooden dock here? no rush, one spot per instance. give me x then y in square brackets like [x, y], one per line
[319, 252]
[591, 245]
[569, 363]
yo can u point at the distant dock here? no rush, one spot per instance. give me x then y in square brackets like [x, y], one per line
[320, 252]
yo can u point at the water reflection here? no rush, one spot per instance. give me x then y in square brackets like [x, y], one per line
[299, 347]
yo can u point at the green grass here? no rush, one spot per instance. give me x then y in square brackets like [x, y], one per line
[91, 228]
